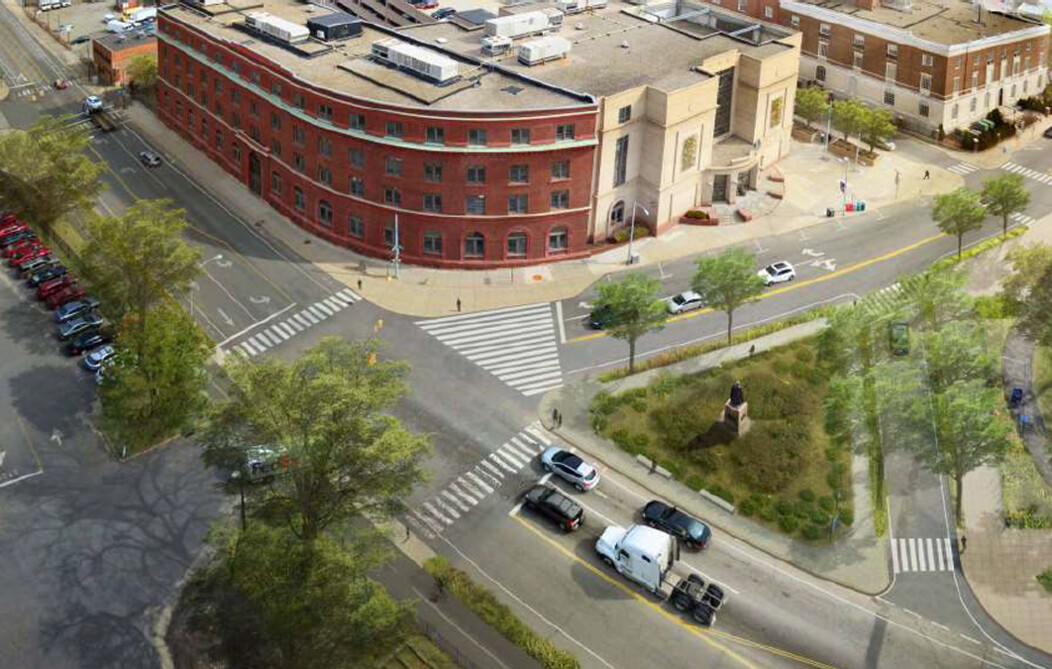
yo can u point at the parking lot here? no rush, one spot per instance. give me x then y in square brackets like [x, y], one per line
[85, 20]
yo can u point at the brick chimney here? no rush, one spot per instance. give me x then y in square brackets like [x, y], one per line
[865, 4]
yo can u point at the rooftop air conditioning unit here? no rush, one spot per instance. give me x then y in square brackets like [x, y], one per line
[418, 60]
[277, 28]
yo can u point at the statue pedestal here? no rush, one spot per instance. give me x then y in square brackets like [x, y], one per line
[736, 418]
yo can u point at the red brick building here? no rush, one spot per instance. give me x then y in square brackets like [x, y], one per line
[112, 53]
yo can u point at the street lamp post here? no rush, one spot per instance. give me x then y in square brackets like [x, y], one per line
[632, 228]
[397, 248]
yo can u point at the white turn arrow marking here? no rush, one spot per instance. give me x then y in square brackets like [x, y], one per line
[584, 305]
[56, 436]
[3, 454]
[260, 300]
[826, 264]
[226, 319]
[223, 263]
[812, 253]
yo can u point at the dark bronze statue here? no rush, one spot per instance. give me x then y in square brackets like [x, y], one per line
[737, 394]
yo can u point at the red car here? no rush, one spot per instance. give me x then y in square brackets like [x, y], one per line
[67, 294]
[18, 246]
[54, 286]
[6, 217]
[9, 225]
[30, 253]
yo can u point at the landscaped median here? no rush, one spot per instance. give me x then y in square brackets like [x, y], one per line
[493, 612]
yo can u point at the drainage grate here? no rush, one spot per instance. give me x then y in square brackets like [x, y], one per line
[514, 90]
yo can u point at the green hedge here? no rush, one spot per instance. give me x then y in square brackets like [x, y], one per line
[981, 247]
[1045, 579]
[493, 612]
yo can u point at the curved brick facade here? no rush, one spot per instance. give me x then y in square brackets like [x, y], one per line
[335, 165]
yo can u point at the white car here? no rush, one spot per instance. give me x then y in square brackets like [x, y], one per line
[109, 17]
[92, 103]
[94, 361]
[778, 272]
[569, 467]
[685, 301]
[886, 145]
[150, 159]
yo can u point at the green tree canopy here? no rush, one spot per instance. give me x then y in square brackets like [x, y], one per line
[45, 172]
[727, 281]
[1003, 196]
[876, 127]
[1031, 264]
[958, 213]
[634, 310]
[959, 352]
[937, 296]
[848, 116]
[811, 104]
[142, 70]
[329, 412]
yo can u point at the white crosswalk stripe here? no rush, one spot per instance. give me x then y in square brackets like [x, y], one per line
[1030, 173]
[512, 456]
[515, 344]
[1021, 218]
[963, 168]
[282, 331]
[921, 554]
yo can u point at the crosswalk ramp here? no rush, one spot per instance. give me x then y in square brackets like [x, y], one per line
[884, 300]
[282, 331]
[461, 495]
[963, 169]
[515, 344]
[1030, 173]
[1021, 219]
[921, 554]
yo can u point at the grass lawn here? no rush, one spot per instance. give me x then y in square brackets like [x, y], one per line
[419, 652]
[784, 472]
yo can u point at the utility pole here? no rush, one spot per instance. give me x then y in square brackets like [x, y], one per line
[397, 259]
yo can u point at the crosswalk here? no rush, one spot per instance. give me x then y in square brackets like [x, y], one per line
[963, 169]
[282, 331]
[1021, 219]
[925, 554]
[516, 344]
[21, 87]
[464, 493]
[1036, 175]
[884, 300]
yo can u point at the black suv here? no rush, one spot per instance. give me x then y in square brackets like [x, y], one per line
[551, 503]
[669, 519]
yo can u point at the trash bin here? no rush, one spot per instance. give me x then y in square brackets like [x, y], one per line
[860, 206]
[850, 206]
[830, 213]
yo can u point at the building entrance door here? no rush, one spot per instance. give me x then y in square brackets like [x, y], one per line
[255, 173]
[719, 188]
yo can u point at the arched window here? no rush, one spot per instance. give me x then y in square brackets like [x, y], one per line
[474, 245]
[558, 239]
[517, 245]
[617, 214]
[324, 214]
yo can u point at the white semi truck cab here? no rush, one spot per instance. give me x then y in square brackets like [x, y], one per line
[642, 554]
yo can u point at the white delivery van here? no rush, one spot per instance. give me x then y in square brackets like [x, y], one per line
[642, 554]
[118, 27]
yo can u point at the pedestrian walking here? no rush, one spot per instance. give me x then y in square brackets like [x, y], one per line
[752, 349]
[927, 175]
[407, 535]
[458, 305]
[359, 285]
[558, 418]
[964, 543]
[555, 417]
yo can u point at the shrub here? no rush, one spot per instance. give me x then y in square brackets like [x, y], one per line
[604, 403]
[802, 509]
[827, 503]
[832, 454]
[800, 370]
[788, 524]
[772, 453]
[695, 482]
[768, 514]
[675, 467]
[1045, 579]
[780, 367]
[642, 230]
[807, 495]
[770, 398]
[747, 508]
[666, 384]
[805, 354]
[991, 307]
[784, 507]
[812, 532]
[696, 213]
[818, 517]
[678, 425]
[706, 458]
[722, 493]
[640, 442]
[847, 517]
[622, 438]
[834, 480]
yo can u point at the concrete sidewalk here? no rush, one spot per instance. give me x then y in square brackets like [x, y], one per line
[858, 560]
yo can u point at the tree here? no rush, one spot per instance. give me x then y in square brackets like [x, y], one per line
[1034, 321]
[156, 386]
[727, 281]
[135, 259]
[634, 310]
[958, 213]
[848, 116]
[811, 104]
[1030, 265]
[310, 604]
[329, 413]
[937, 296]
[876, 127]
[45, 172]
[1003, 196]
[958, 352]
[142, 70]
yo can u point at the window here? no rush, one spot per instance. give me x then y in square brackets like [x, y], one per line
[275, 88]
[433, 172]
[923, 109]
[235, 120]
[1013, 90]
[927, 60]
[856, 60]
[234, 65]
[297, 198]
[190, 118]
[519, 174]
[741, 6]
[476, 204]
[253, 108]
[795, 21]
[975, 80]
[190, 89]
[298, 101]
[356, 157]
[324, 175]
[621, 161]
[891, 71]
[517, 244]
[476, 137]
[298, 162]
[972, 104]
[275, 183]
[254, 77]
[1026, 85]
[432, 202]
[394, 129]
[237, 153]
[355, 227]
[925, 84]
[474, 245]
[325, 112]
[219, 139]
[560, 199]
[520, 136]
[768, 12]
[393, 166]
[956, 85]
[518, 204]
[389, 235]
[477, 174]
[986, 101]
[823, 49]
[560, 169]
[275, 122]
[433, 243]
[860, 41]
[893, 50]
[275, 147]
[325, 146]
[235, 96]
[392, 196]
[824, 30]
[356, 122]
[889, 98]
[219, 108]
[357, 187]
[953, 111]
[557, 239]
[564, 132]
[324, 214]
[820, 73]
[435, 136]
[1026, 61]
[299, 135]
[624, 114]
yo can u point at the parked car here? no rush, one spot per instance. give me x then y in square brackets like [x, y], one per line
[689, 530]
[11, 226]
[150, 159]
[71, 328]
[686, 301]
[27, 269]
[80, 40]
[43, 276]
[886, 145]
[29, 254]
[89, 340]
[64, 296]
[779, 272]
[601, 318]
[1048, 133]
[54, 285]
[556, 506]
[74, 308]
[702, 600]
[443, 13]
[11, 238]
[94, 360]
[92, 103]
[20, 245]
[568, 466]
